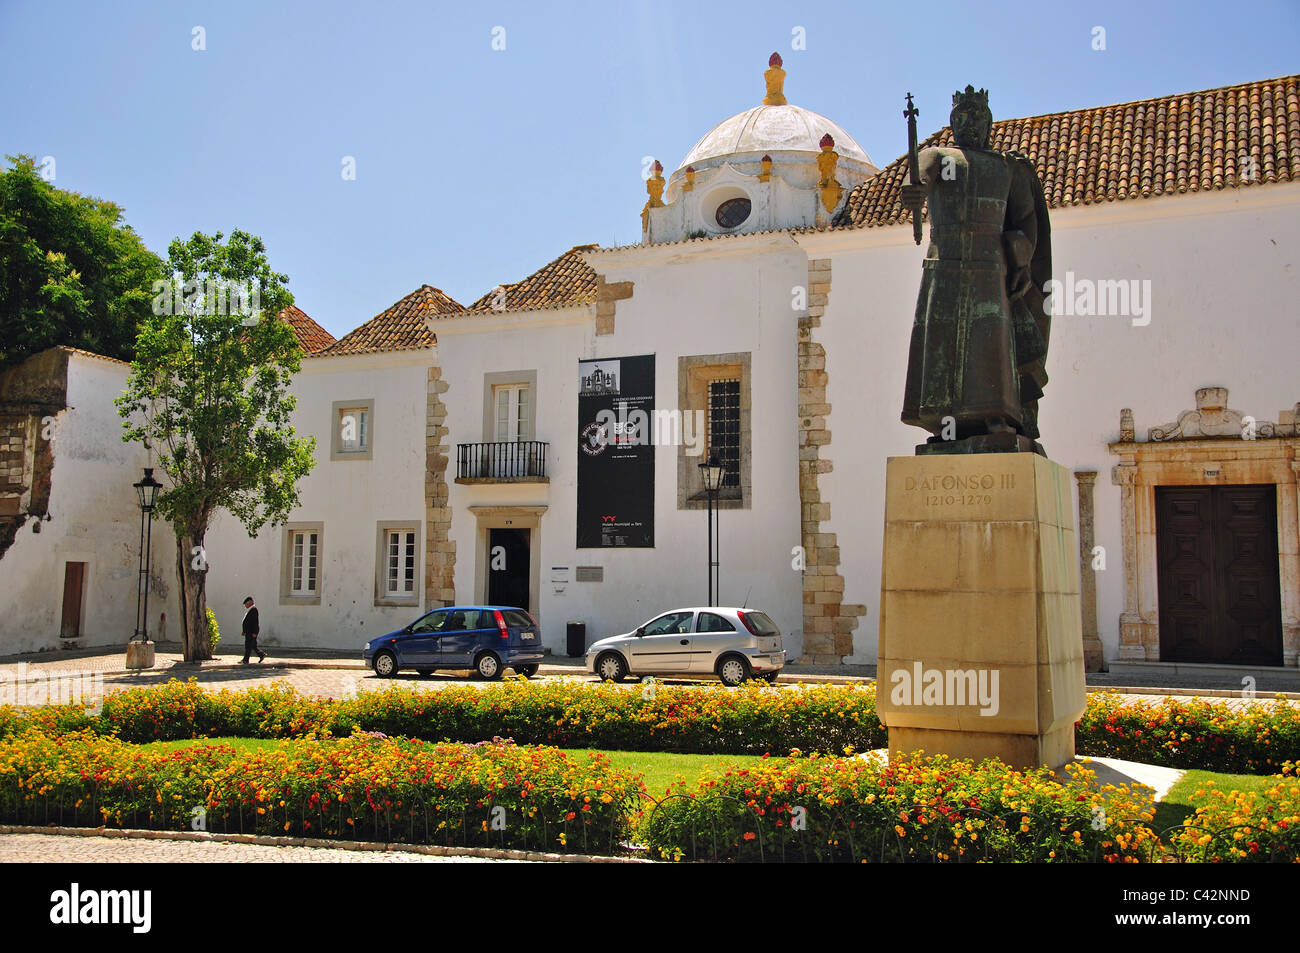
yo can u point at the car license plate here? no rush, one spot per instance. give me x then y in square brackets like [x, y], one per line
[526, 635]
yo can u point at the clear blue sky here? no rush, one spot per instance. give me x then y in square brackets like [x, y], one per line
[476, 166]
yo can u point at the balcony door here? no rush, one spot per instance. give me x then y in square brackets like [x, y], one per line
[511, 413]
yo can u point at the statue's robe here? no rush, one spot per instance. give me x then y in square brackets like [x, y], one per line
[984, 208]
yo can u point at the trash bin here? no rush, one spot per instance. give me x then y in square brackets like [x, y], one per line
[576, 636]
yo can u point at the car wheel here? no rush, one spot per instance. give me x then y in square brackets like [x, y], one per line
[527, 671]
[488, 666]
[385, 664]
[610, 667]
[732, 670]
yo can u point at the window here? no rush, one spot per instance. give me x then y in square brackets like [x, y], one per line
[732, 212]
[724, 428]
[433, 622]
[712, 622]
[302, 564]
[397, 564]
[512, 412]
[674, 623]
[302, 577]
[352, 430]
[713, 391]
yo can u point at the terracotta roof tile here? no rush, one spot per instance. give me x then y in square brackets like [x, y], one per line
[310, 335]
[1192, 142]
[402, 327]
[566, 280]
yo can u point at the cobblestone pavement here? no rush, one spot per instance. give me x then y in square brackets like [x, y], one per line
[55, 848]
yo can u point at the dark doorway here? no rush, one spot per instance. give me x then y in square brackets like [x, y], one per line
[508, 567]
[1217, 576]
[74, 586]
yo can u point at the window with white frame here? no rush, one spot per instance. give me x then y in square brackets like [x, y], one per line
[512, 412]
[301, 564]
[354, 429]
[304, 555]
[399, 563]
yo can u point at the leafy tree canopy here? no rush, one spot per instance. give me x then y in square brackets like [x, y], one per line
[71, 272]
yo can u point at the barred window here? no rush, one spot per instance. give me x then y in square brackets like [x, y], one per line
[724, 427]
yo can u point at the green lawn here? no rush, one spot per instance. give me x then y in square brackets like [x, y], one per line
[1178, 804]
[658, 769]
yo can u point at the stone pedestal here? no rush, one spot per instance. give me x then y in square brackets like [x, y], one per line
[981, 640]
[139, 654]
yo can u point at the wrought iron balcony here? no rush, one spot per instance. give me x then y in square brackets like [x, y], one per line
[522, 461]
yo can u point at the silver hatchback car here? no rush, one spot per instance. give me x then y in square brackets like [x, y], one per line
[733, 644]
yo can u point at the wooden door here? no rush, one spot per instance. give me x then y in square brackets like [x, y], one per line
[74, 584]
[1217, 574]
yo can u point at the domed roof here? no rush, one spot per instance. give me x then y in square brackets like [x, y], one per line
[773, 126]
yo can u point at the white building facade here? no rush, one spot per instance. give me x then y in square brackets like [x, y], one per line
[767, 311]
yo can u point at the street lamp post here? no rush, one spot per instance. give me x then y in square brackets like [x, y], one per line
[147, 492]
[712, 471]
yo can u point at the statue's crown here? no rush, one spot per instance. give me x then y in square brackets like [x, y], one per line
[971, 98]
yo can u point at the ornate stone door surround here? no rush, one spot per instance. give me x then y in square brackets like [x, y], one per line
[1204, 447]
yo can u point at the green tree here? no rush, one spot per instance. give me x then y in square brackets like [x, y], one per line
[70, 272]
[208, 391]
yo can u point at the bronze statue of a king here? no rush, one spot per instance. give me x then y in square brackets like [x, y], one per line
[976, 366]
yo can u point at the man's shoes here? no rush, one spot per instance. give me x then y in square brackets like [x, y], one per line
[261, 657]
[243, 661]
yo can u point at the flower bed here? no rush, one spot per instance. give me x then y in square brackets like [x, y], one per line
[1250, 826]
[1211, 735]
[699, 719]
[494, 794]
[929, 809]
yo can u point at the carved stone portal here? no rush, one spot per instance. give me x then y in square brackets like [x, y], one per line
[1211, 445]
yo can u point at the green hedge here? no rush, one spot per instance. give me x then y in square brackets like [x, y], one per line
[705, 719]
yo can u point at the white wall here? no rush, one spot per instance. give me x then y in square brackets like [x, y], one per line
[1224, 284]
[704, 300]
[350, 497]
[95, 519]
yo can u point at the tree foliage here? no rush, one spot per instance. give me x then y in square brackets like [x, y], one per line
[71, 272]
[208, 391]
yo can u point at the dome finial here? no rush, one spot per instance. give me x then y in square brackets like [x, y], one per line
[775, 79]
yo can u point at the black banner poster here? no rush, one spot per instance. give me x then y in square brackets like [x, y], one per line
[616, 455]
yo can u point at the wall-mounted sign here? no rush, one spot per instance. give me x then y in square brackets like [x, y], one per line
[616, 472]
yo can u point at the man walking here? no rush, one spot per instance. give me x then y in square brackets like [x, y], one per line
[251, 630]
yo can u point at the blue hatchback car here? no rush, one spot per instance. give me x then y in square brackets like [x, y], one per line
[486, 639]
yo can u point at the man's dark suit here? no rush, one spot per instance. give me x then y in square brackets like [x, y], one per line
[251, 630]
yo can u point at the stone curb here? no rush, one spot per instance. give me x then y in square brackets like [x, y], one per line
[492, 853]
